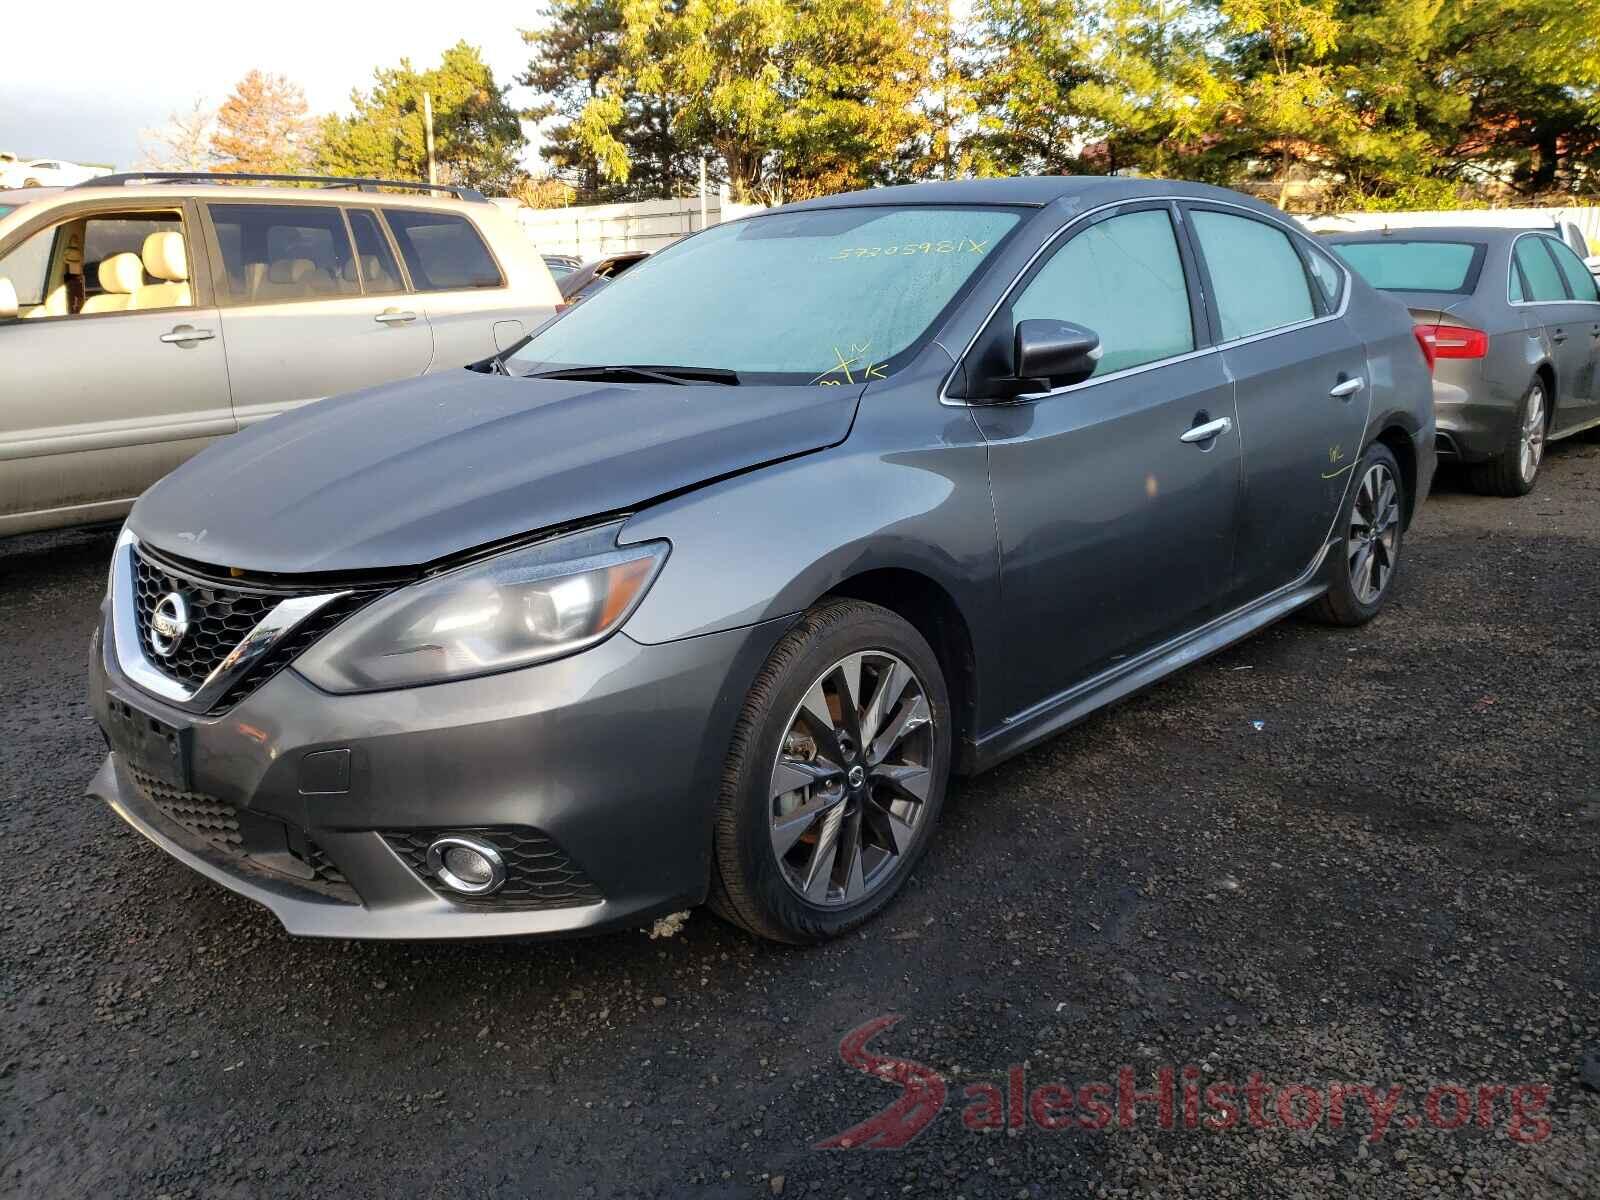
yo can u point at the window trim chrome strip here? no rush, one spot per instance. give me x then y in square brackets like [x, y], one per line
[283, 620]
[1215, 347]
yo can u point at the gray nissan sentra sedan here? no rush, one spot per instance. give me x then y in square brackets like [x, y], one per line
[704, 590]
[1513, 317]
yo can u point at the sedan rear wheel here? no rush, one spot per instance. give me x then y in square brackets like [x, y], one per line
[1371, 529]
[836, 775]
[1515, 470]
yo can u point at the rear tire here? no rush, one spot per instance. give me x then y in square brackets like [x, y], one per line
[1515, 470]
[867, 779]
[1371, 530]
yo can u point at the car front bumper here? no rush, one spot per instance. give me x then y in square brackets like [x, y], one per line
[596, 775]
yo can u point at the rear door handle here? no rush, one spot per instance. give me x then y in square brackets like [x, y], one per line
[187, 333]
[393, 316]
[1348, 387]
[1204, 433]
[1559, 336]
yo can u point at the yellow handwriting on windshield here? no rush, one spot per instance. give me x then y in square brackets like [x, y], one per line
[844, 362]
[961, 245]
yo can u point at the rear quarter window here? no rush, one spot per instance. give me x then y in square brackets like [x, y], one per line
[443, 251]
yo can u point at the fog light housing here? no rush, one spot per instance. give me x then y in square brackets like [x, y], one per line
[467, 865]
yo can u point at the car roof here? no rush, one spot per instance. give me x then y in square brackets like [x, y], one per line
[1437, 233]
[1034, 191]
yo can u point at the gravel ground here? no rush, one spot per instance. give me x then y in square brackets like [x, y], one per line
[1392, 881]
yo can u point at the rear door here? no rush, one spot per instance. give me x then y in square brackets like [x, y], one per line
[460, 285]
[1115, 532]
[96, 406]
[1302, 392]
[1581, 348]
[305, 315]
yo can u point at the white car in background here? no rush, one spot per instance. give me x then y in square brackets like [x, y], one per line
[46, 172]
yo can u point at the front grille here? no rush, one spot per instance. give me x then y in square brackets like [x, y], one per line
[538, 872]
[261, 840]
[220, 616]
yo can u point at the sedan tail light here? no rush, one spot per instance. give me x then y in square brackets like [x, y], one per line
[1456, 341]
[1428, 341]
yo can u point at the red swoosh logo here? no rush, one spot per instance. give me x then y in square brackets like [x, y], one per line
[920, 1101]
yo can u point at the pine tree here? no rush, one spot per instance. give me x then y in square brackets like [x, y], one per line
[263, 126]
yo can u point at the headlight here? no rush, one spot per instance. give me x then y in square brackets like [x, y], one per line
[522, 607]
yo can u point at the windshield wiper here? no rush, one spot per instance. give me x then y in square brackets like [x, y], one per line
[649, 374]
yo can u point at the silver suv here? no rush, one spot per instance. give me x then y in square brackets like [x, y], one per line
[142, 316]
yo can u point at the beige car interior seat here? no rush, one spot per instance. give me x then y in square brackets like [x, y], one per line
[165, 260]
[121, 281]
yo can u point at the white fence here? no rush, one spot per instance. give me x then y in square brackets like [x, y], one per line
[593, 230]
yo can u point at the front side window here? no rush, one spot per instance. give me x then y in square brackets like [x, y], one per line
[281, 252]
[821, 296]
[1123, 279]
[1577, 275]
[110, 262]
[1423, 266]
[1542, 278]
[1256, 274]
[27, 266]
[443, 251]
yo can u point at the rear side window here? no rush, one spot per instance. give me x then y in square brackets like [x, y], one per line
[1577, 275]
[379, 274]
[1541, 277]
[282, 252]
[1398, 266]
[443, 251]
[1123, 279]
[1256, 273]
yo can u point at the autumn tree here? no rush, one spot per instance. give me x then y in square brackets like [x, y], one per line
[478, 134]
[263, 126]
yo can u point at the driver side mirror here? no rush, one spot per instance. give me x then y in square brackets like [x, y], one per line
[1056, 353]
[8, 299]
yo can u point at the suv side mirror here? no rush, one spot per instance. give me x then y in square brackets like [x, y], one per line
[1055, 351]
[8, 299]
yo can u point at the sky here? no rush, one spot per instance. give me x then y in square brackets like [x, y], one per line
[85, 95]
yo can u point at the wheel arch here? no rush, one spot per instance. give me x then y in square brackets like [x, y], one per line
[1547, 372]
[1404, 449]
[932, 611]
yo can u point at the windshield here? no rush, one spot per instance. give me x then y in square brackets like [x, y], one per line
[827, 296]
[1395, 266]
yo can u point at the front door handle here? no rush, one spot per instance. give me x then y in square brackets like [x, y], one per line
[187, 333]
[1204, 433]
[1348, 387]
[393, 316]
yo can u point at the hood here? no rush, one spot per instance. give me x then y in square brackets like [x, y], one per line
[409, 473]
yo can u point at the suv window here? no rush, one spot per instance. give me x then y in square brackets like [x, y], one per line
[1256, 273]
[1543, 279]
[443, 251]
[1577, 275]
[277, 252]
[379, 274]
[1123, 279]
[70, 253]
[28, 266]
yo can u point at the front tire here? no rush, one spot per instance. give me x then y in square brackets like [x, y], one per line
[1515, 470]
[835, 778]
[1368, 550]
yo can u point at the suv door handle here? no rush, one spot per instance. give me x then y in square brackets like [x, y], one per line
[187, 333]
[393, 316]
[1204, 433]
[1348, 387]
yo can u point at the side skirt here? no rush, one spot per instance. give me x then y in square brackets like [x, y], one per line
[1067, 708]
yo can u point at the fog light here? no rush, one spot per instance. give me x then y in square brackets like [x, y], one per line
[467, 865]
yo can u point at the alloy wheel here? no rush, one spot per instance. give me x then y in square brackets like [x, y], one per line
[1374, 539]
[851, 779]
[1531, 437]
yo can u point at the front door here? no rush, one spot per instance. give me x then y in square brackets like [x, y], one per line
[1302, 390]
[113, 376]
[305, 316]
[1115, 532]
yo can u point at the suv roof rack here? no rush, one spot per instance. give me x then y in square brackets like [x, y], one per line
[327, 181]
